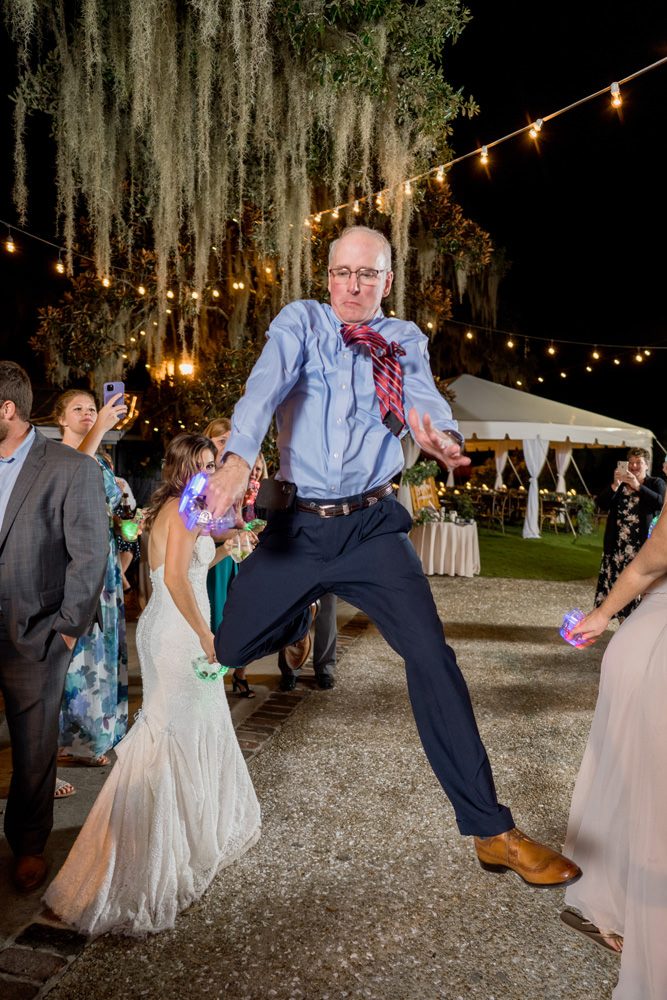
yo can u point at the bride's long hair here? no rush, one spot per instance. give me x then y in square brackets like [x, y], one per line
[182, 460]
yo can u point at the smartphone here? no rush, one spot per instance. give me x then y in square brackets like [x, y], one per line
[112, 389]
[623, 466]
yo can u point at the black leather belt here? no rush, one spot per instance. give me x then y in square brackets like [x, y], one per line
[325, 509]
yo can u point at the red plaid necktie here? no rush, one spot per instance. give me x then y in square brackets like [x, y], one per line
[387, 373]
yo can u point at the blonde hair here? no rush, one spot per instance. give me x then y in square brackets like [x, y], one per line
[218, 426]
[63, 401]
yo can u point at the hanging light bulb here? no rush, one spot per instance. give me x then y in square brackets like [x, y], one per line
[60, 267]
[106, 282]
[356, 207]
[378, 200]
[407, 188]
[536, 128]
[596, 355]
[469, 335]
[195, 295]
[563, 375]
[519, 382]
[216, 293]
[616, 99]
[318, 217]
[170, 294]
[141, 290]
[306, 222]
[510, 343]
[588, 368]
[335, 213]
[484, 154]
[10, 245]
[639, 357]
[440, 175]
[647, 353]
[616, 361]
[540, 379]
[551, 349]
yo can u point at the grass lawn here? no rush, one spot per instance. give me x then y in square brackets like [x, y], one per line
[551, 557]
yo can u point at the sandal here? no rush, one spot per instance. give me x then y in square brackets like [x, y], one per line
[101, 761]
[245, 691]
[63, 789]
[594, 934]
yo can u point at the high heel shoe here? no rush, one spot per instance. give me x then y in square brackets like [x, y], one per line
[245, 691]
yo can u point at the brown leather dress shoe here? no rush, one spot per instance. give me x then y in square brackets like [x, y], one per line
[30, 872]
[296, 654]
[536, 864]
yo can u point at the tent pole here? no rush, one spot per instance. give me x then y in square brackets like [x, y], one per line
[580, 476]
[509, 459]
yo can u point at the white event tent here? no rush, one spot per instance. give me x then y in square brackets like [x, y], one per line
[496, 418]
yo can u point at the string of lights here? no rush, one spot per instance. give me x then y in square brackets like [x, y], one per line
[379, 198]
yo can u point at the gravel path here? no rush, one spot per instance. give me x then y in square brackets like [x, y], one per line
[360, 885]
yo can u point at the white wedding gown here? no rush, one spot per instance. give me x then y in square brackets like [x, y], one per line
[617, 832]
[178, 804]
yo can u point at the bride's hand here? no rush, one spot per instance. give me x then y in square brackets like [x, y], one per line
[208, 647]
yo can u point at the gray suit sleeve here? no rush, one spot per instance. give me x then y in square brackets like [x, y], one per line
[86, 529]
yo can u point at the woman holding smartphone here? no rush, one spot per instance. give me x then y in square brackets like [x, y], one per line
[633, 499]
[93, 716]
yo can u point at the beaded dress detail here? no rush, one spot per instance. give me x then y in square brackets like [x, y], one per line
[178, 805]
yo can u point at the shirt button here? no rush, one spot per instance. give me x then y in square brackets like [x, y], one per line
[343, 386]
[335, 454]
[339, 421]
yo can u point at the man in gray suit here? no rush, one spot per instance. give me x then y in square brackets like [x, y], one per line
[54, 543]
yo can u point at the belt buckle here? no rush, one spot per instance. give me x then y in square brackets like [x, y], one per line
[371, 500]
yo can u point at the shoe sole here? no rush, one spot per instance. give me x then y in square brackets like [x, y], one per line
[501, 869]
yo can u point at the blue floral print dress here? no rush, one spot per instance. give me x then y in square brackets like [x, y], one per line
[93, 715]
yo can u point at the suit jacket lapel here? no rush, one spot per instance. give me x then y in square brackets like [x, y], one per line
[32, 466]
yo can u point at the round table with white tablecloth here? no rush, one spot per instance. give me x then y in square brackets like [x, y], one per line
[447, 548]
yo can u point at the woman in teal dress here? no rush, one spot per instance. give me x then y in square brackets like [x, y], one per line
[93, 715]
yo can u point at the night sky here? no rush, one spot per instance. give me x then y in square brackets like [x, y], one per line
[582, 215]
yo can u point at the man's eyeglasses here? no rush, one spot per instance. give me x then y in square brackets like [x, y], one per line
[365, 275]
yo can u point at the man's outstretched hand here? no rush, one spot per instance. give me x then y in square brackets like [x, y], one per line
[227, 485]
[439, 444]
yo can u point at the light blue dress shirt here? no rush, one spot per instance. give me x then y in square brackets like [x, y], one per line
[330, 433]
[10, 468]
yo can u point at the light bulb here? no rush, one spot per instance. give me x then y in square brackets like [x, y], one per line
[639, 357]
[510, 343]
[407, 187]
[440, 174]
[356, 207]
[318, 217]
[469, 335]
[335, 213]
[596, 355]
[616, 361]
[195, 295]
[10, 245]
[60, 267]
[484, 154]
[563, 375]
[551, 349]
[216, 293]
[647, 353]
[588, 368]
[540, 379]
[106, 282]
[170, 294]
[616, 99]
[536, 128]
[141, 290]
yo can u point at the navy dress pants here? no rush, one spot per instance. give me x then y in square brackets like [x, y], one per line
[367, 559]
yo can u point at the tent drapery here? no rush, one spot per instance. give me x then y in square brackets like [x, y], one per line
[535, 453]
[563, 456]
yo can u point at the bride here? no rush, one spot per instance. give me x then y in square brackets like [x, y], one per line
[178, 804]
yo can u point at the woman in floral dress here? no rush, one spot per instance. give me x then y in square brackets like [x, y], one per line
[93, 716]
[633, 500]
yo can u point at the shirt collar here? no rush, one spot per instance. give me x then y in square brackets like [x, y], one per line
[19, 453]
